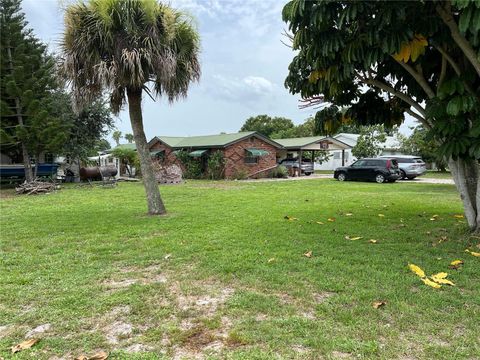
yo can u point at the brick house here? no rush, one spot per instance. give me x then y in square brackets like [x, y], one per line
[248, 153]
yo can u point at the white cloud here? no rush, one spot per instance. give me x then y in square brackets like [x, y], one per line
[259, 84]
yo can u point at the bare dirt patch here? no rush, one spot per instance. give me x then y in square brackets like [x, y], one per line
[341, 355]
[38, 330]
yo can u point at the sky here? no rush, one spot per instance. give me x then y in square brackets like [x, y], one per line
[243, 60]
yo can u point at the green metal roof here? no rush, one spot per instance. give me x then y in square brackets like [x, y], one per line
[219, 140]
[299, 142]
[197, 153]
[257, 152]
[171, 141]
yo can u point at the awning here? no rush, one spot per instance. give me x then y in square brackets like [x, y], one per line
[157, 153]
[197, 153]
[257, 152]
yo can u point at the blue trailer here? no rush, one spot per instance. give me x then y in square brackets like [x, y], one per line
[17, 171]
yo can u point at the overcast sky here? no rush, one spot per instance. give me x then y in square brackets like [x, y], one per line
[244, 65]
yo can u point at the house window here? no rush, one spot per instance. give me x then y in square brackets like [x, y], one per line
[337, 155]
[249, 159]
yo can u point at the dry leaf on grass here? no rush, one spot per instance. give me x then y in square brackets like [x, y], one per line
[417, 270]
[102, 355]
[308, 254]
[271, 260]
[290, 218]
[472, 253]
[441, 278]
[27, 344]
[378, 304]
[168, 256]
[353, 238]
[455, 264]
[331, 219]
[319, 223]
[431, 283]
[348, 214]
[458, 216]
[381, 215]
[372, 241]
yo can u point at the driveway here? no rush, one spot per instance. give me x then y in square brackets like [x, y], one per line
[418, 180]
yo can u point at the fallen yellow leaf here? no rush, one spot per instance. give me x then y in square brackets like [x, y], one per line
[348, 214]
[290, 218]
[331, 219]
[458, 216]
[417, 270]
[320, 223]
[372, 241]
[308, 254]
[381, 215]
[456, 262]
[27, 344]
[440, 275]
[429, 282]
[377, 304]
[435, 216]
[271, 260]
[353, 238]
[443, 281]
[473, 253]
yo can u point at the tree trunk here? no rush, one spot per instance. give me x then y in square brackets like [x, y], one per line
[18, 110]
[466, 174]
[155, 203]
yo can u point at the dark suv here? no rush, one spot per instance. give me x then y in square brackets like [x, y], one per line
[379, 170]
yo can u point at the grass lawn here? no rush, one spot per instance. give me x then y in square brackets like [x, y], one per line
[431, 174]
[223, 275]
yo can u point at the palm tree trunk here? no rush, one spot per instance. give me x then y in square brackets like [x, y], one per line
[154, 201]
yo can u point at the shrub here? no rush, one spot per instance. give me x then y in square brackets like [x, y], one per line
[280, 172]
[193, 167]
[240, 174]
[215, 165]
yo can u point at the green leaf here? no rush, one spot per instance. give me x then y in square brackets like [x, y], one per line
[455, 106]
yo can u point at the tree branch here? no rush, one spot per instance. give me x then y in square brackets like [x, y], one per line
[419, 118]
[391, 90]
[447, 17]
[443, 72]
[418, 76]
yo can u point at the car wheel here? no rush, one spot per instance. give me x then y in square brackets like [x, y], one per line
[308, 174]
[341, 177]
[379, 178]
[402, 174]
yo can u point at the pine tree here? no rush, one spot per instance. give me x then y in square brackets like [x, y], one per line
[27, 81]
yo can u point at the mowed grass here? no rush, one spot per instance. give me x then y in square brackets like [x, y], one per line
[223, 275]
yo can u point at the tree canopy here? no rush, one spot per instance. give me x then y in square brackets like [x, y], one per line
[384, 59]
[278, 127]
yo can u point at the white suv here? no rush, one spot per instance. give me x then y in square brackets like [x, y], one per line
[410, 166]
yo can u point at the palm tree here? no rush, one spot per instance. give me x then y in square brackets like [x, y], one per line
[129, 138]
[117, 135]
[129, 47]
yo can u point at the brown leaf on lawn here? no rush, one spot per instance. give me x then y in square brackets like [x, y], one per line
[290, 218]
[353, 238]
[331, 219]
[472, 253]
[102, 355]
[372, 241]
[431, 283]
[378, 304]
[27, 344]
[417, 270]
[308, 254]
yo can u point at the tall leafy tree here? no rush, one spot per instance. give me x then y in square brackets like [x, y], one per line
[129, 138]
[27, 80]
[267, 125]
[382, 59]
[369, 142]
[129, 48]
[116, 136]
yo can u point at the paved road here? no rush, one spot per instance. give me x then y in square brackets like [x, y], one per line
[418, 180]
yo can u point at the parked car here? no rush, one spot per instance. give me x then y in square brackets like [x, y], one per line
[378, 169]
[307, 166]
[410, 166]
